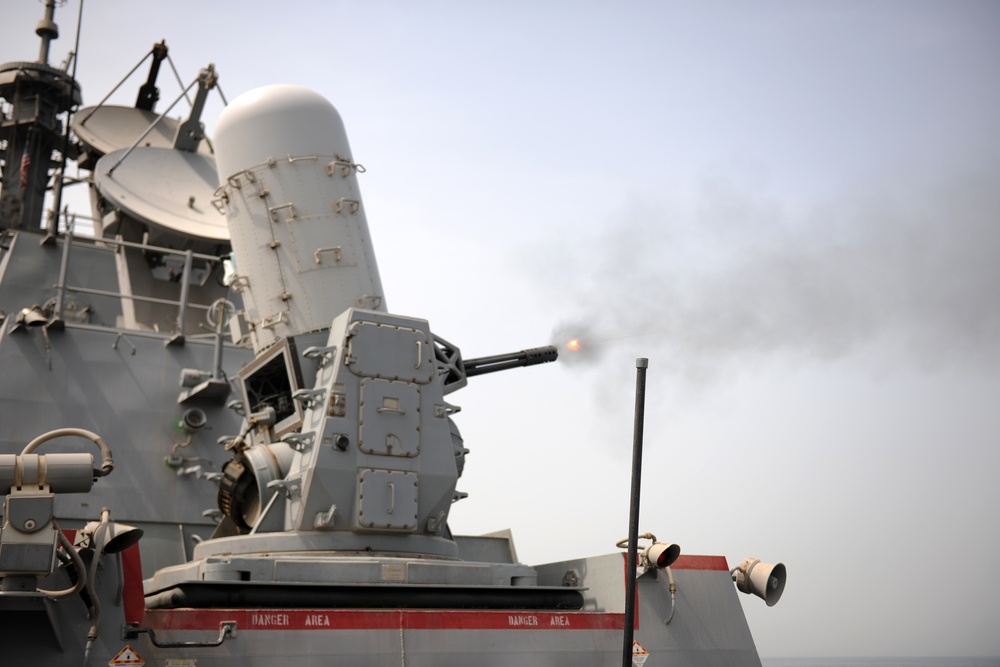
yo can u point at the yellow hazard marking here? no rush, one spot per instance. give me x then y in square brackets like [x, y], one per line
[639, 654]
[126, 656]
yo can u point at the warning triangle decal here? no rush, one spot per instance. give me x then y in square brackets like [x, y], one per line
[639, 654]
[126, 656]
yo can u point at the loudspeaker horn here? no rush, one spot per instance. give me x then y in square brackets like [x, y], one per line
[661, 555]
[109, 538]
[765, 580]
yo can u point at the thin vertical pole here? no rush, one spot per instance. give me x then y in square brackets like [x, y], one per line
[185, 288]
[220, 313]
[53, 226]
[641, 364]
[57, 310]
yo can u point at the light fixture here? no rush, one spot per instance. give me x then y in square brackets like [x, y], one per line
[33, 317]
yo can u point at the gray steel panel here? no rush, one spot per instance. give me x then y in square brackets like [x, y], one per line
[390, 418]
[31, 269]
[387, 500]
[392, 352]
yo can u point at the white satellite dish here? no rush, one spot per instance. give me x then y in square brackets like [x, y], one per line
[108, 128]
[169, 190]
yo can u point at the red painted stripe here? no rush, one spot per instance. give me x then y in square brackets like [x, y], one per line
[132, 595]
[366, 619]
[694, 562]
[700, 563]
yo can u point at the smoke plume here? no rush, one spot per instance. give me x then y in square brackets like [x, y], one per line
[911, 268]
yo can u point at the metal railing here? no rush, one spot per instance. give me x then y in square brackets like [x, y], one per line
[183, 304]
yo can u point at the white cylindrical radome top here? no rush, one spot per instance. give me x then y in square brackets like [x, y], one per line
[275, 122]
[299, 235]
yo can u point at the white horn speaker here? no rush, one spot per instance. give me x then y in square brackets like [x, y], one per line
[113, 538]
[765, 580]
[660, 555]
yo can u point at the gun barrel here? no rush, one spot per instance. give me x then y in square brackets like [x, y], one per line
[500, 362]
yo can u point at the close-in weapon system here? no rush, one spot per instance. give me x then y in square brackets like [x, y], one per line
[348, 444]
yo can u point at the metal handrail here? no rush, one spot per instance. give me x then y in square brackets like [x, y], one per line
[101, 244]
[131, 631]
[69, 240]
[134, 297]
[203, 338]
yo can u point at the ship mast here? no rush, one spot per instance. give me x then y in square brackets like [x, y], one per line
[36, 95]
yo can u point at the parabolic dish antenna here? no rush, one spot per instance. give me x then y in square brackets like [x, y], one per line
[164, 188]
[108, 128]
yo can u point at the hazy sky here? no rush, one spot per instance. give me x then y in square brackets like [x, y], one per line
[791, 208]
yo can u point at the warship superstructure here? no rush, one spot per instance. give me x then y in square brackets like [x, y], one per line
[220, 446]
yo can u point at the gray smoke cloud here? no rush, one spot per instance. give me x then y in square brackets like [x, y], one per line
[911, 266]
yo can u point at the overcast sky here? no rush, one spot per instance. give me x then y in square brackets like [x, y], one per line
[791, 208]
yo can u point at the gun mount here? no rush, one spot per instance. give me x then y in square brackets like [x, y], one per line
[347, 446]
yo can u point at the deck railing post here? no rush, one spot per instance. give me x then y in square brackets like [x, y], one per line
[182, 305]
[63, 271]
